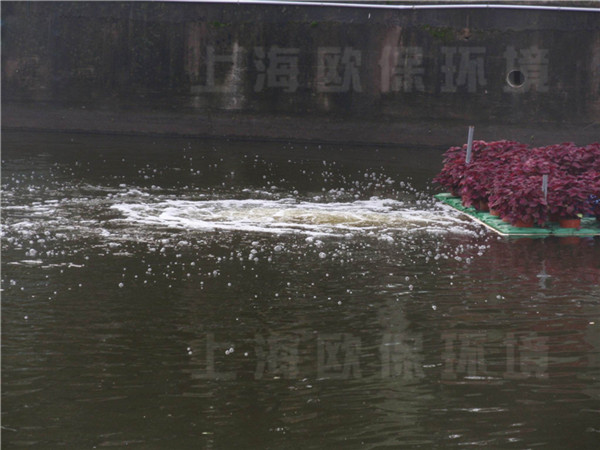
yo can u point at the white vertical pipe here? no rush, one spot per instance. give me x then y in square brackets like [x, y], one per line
[545, 187]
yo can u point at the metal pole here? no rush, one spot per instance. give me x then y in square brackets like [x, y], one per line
[545, 187]
[470, 145]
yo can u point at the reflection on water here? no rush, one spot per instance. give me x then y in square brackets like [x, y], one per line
[176, 294]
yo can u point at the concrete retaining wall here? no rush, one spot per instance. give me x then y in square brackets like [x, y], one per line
[301, 72]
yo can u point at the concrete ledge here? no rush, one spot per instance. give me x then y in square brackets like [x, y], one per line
[38, 117]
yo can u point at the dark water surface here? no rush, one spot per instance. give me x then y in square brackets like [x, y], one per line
[177, 294]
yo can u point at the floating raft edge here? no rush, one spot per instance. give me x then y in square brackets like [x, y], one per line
[589, 226]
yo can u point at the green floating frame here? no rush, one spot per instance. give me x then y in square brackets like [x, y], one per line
[589, 225]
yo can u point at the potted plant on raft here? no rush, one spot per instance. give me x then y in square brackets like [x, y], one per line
[452, 171]
[593, 161]
[455, 168]
[594, 197]
[516, 193]
[476, 185]
[572, 159]
[519, 200]
[569, 198]
[489, 164]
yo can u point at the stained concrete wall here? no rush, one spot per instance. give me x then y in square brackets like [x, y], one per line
[301, 72]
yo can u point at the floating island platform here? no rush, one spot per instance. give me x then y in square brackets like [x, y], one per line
[589, 225]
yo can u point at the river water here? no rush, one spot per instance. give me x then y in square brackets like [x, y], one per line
[176, 293]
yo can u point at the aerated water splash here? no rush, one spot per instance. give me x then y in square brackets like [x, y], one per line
[290, 215]
[119, 220]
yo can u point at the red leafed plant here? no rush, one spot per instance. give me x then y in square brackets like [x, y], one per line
[489, 162]
[572, 159]
[519, 198]
[594, 198]
[453, 170]
[476, 185]
[569, 195]
[509, 176]
[487, 159]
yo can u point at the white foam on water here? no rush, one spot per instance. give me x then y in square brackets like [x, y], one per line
[43, 230]
[27, 262]
[290, 216]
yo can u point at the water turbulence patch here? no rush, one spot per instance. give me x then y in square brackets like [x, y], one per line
[291, 216]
